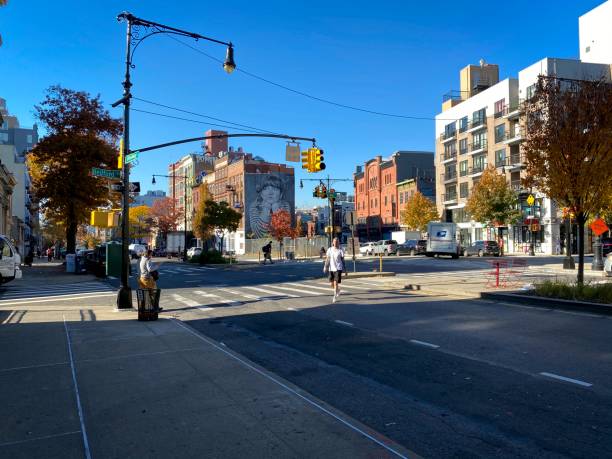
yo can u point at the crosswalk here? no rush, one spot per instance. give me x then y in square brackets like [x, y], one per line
[228, 296]
[171, 269]
[23, 293]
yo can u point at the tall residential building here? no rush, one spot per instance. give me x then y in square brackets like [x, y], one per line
[147, 199]
[11, 133]
[376, 194]
[482, 126]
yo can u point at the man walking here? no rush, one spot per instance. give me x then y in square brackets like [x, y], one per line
[267, 251]
[334, 263]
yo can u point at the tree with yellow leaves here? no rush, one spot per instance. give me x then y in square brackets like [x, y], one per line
[418, 212]
[140, 222]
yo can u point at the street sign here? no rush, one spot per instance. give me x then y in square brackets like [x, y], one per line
[530, 200]
[292, 153]
[131, 157]
[108, 173]
[599, 226]
[117, 187]
[134, 187]
[350, 218]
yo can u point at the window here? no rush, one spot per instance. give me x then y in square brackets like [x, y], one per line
[530, 91]
[463, 124]
[479, 140]
[5, 249]
[450, 150]
[479, 117]
[463, 146]
[500, 158]
[478, 234]
[401, 198]
[450, 172]
[499, 108]
[29, 138]
[479, 163]
[451, 193]
[500, 132]
[463, 190]
[450, 130]
[3, 136]
[385, 200]
[463, 168]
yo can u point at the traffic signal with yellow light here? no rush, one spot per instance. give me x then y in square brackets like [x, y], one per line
[306, 160]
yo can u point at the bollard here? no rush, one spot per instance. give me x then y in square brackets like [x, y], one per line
[380, 268]
[497, 274]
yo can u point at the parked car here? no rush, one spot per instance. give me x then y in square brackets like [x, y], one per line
[606, 245]
[608, 265]
[10, 261]
[193, 251]
[412, 247]
[367, 248]
[482, 248]
[385, 247]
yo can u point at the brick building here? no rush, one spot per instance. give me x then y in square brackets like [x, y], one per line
[376, 194]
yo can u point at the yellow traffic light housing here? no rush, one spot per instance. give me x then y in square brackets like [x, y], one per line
[307, 160]
[317, 160]
[120, 159]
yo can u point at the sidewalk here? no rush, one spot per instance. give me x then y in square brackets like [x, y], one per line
[97, 383]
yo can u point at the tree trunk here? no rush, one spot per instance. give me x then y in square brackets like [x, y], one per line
[71, 231]
[580, 219]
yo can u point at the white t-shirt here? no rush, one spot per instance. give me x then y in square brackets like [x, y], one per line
[336, 259]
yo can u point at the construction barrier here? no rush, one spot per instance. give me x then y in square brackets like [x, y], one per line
[505, 273]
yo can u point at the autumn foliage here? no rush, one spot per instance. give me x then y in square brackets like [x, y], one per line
[418, 212]
[165, 215]
[492, 201]
[280, 225]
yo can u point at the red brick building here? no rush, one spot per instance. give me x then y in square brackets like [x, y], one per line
[376, 197]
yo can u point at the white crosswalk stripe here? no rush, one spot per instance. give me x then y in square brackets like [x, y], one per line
[217, 297]
[16, 293]
[270, 292]
[298, 290]
[244, 295]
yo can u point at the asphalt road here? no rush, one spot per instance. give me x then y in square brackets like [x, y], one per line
[441, 375]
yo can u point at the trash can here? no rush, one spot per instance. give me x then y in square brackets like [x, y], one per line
[148, 303]
[70, 262]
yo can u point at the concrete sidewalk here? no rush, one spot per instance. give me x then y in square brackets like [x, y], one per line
[98, 383]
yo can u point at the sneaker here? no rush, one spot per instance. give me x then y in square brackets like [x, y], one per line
[334, 299]
[338, 293]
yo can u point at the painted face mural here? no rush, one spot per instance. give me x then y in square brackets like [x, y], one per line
[272, 193]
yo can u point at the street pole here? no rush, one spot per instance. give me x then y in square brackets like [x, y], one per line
[568, 261]
[185, 217]
[124, 297]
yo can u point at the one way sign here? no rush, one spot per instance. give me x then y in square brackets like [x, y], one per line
[134, 187]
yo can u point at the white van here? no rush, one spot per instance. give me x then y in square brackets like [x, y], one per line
[442, 239]
[10, 261]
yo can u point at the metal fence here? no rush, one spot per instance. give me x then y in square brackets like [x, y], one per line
[301, 247]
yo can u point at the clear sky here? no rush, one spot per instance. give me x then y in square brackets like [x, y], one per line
[394, 56]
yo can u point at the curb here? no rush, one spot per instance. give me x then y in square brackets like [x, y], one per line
[554, 303]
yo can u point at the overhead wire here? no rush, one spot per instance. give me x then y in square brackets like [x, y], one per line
[190, 120]
[310, 96]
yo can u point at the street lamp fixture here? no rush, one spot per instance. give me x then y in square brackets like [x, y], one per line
[137, 31]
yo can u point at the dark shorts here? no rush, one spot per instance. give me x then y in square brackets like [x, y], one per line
[335, 276]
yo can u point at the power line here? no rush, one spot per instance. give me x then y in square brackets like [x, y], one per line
[310, 96]
[190, 120]
[202, 115]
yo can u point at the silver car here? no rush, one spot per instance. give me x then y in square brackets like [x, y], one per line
[608, 265]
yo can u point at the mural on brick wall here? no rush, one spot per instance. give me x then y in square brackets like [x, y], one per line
[265, 194]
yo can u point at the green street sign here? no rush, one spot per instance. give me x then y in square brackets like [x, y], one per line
[131, 157]
[108, 173]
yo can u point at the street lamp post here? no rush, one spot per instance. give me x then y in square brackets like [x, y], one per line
[184, 177]
[133, 39]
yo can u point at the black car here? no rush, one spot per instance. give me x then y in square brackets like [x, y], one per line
[482, 248]
[606, 245]
[412, 247]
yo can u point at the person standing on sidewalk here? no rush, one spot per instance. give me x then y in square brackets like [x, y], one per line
[267, 251]
[334, 263]
[147, 271]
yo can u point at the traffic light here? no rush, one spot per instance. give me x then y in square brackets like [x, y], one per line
[323, 192]
[307, 160]
[317, 160]
[315, 193]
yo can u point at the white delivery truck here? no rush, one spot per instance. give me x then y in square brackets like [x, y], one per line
[402, 236]
[443, 239]
[175, 243]
[10, 261]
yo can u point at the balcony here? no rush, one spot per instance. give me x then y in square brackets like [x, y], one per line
[448, 157]
[477, 170]
[449, 198]
[463, 172]
[449, 176]
[517, 186]
[446, 136]
[476, 125]
[478, 147]
[512, 110]
[463, 151]
[513, 136]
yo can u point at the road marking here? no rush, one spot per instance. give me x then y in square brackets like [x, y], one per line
[292, 391]
[342, 322]
[306, 292]
[8, 319]
[563, 378]
[263, 290]
[291, 309]
[245, 295]
[186, 301]
[424, 343]
[328, 289]
[347, 285]
[217, 297]
[579, 313]
[45, 437]
[56, 298]
[76, 392]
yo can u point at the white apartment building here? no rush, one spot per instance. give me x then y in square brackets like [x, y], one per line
[481, 126]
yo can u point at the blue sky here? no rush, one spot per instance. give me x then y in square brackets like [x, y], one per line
[396, 57]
